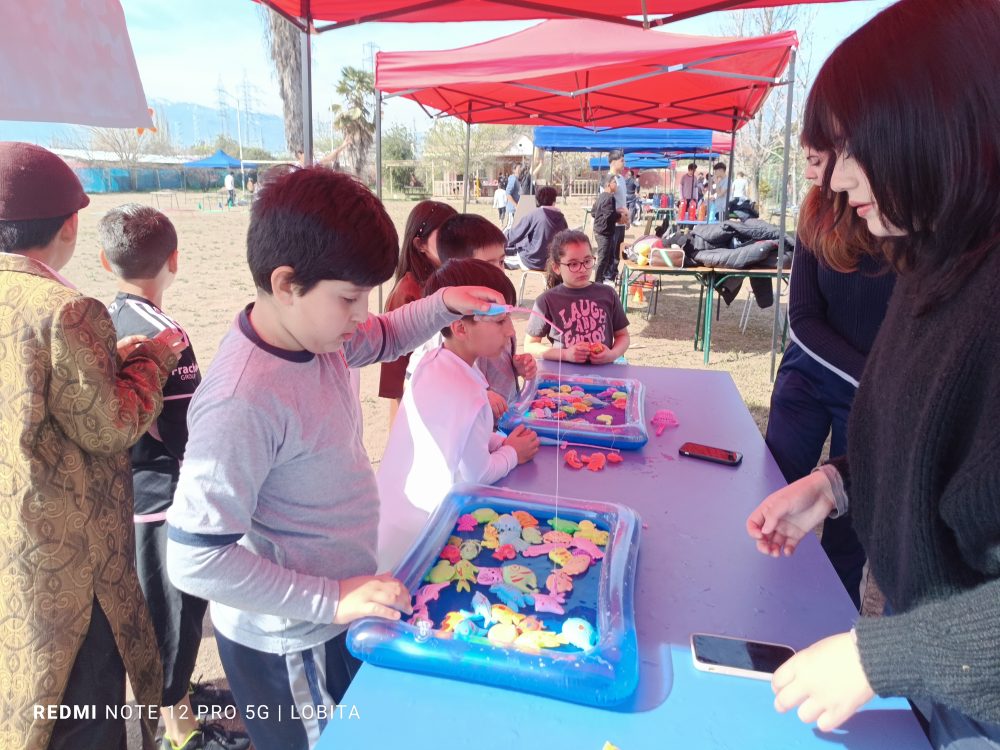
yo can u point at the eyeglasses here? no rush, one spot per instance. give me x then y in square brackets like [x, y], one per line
[423, 224]
[576, 265]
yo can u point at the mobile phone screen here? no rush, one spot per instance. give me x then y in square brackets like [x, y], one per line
[740, 654]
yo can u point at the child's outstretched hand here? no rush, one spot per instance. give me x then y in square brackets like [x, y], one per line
[371, 596]
[469, 300]
[525, 365]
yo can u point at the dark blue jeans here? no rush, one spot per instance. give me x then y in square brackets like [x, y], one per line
[808, 403]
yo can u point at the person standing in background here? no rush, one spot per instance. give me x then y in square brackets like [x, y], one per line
[616, 167]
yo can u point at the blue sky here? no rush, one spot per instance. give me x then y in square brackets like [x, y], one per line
[184, 48]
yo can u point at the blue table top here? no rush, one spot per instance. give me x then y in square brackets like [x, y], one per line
[698, 572]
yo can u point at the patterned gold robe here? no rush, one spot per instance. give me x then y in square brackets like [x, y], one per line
[69, 410]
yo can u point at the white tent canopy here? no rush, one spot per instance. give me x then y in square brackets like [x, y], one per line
[69, 61]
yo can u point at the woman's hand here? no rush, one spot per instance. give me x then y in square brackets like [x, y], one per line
[779, 523]
[826, 681]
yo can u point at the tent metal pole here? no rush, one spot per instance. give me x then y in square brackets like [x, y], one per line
[305, 49]
[465, 177]
[732, 172]
[378, 145]
[784, 210]
[552, 161]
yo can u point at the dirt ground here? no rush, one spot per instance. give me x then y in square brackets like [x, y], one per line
[213, 284]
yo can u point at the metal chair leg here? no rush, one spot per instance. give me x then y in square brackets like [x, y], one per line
[747, 309]
[520, 289]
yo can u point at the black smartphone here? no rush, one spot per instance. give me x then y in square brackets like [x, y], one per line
[738, 656]
[708, 453]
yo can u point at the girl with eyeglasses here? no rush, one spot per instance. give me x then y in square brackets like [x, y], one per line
[418, 259]
[590, 324]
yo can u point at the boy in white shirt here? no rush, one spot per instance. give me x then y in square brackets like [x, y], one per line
[443, 433]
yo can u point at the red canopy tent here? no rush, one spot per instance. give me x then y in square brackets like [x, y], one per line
[646, 12]
[590, 73]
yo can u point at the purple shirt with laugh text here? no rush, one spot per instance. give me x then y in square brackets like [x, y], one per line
[588, 315]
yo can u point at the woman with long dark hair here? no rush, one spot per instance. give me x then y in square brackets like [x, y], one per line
[839, 293]
[910, 105]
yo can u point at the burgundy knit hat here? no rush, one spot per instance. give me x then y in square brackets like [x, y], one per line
[36, 184]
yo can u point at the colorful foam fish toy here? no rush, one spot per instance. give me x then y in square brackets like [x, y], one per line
[578, 632]
[562, 524]
[538, 639]
[550, 603]
[511, 596]
[481, 607]
[520, 576]
[465, 573]
[485, 515]
[589, 531]
[468, 522]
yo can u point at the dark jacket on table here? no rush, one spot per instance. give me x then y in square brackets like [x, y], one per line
[924, 488]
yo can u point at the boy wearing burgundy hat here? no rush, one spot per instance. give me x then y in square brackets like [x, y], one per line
[73, 620]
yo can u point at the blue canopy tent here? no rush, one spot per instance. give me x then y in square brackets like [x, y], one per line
[554, 138]
[635, 161]
[219, 160]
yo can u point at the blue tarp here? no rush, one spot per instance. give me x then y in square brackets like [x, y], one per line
[219, 160]
[552, 138]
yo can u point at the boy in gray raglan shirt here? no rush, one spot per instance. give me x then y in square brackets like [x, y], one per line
[276, 511]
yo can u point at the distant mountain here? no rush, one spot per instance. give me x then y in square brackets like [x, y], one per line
[188, 123]
[193, 123]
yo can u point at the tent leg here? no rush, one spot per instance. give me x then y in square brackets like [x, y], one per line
[732, 172]
[305, 49]
[552, 159]
[784, 210]
[378, 148]
[465, 177]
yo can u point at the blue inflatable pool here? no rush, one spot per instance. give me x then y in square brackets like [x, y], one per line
[550, 614]
[598, 411]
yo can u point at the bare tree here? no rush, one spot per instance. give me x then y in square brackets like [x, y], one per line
[127, 144]
[445, 144]
[761, 143]
[283, 44]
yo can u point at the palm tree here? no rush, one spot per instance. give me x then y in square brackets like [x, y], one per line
[353, 118]
[283, 42]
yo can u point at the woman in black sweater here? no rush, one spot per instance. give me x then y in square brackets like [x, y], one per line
[910, 105]
[839, 294]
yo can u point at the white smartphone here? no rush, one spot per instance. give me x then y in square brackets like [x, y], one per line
[737, 656]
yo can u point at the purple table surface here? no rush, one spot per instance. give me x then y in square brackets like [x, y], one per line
[698, 572]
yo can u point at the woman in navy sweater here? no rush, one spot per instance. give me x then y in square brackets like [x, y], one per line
[838, 298]
[921, 477]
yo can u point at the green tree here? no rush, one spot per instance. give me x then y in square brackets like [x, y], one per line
[354, 116]
[398, 145]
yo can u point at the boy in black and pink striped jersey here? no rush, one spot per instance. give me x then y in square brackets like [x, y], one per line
[139, 246]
